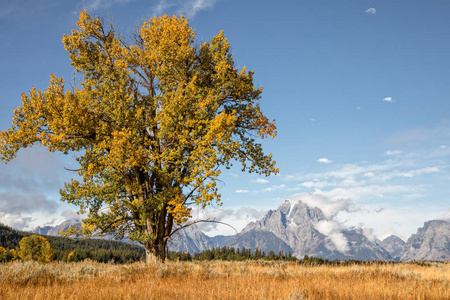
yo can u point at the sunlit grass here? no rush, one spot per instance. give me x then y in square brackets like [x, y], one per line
[223, 280]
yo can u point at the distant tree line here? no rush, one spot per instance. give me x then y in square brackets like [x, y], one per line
[231, 254]
[67, 249]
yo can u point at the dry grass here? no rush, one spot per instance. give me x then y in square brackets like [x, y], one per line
[222, 280]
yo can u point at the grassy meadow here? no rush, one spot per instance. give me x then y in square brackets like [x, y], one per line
[223, 280]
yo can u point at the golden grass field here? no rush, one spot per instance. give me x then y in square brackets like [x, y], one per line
[223, 280]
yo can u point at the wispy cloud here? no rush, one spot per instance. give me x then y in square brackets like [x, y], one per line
[5, 12]
[324, 160]
[388, 99]
[400, 177]
[419, 172]
[315, 184]
[366, 192]
[393, 152]
[438, 135]
[329, 208]
[275, 188]
[101, 4]
[237, 217]
[369, 175]
[260, 180]
[370, 11]
[188, 8]
[349, 170]
[241, 191]
[445, 216]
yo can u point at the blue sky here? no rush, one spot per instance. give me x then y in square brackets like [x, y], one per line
[359, 91]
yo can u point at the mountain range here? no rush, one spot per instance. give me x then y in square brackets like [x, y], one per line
[304, 230]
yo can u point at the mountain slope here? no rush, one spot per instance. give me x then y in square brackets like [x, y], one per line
[296, 224]
[431, 242]
[293, 224]
[56, 230]
[394, 245]
[263, 240]
[190, 239]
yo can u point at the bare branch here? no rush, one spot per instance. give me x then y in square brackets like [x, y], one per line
[72, 170]
[202, 221]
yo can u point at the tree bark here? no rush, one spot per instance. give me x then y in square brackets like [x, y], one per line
[155, 251]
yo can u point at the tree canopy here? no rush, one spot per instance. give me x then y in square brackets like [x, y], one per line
[153, 120]
[35, 248]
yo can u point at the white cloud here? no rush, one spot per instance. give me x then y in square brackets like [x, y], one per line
[188, 8]
[260, 180]
[241, 191]
[351, 181]
[249, 212]
[414, 196]
[69, 214]
[333, 232]
[370, 11]
[101, 4]
[445, 216]
[343, 171]
[419, 172]
[375, 221]
[331, 228]
[369, 233]
[324, 160]
[16, 221]
[238, 218]
[161, 7]
[398, 178]
[369, 175]
[393, 152]
[329, 208]
[400, 220]
[437, 135]
[220, 215]
[274, 188]
[348, 170]
[388, 99]
[315, 184]
[26, 202]
[365, 193]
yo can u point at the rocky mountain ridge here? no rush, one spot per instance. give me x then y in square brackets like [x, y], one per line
[304, 230]
[431, 242]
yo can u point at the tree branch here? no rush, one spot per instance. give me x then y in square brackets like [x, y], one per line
[201, 221]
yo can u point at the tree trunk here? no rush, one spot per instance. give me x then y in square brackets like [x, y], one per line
[155, 251]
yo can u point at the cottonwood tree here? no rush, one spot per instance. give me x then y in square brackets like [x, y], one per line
[154, 121]
[37, 248]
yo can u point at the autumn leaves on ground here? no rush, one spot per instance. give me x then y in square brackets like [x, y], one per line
[223, 280]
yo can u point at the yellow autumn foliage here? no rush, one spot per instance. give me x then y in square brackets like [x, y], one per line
[153, 119]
